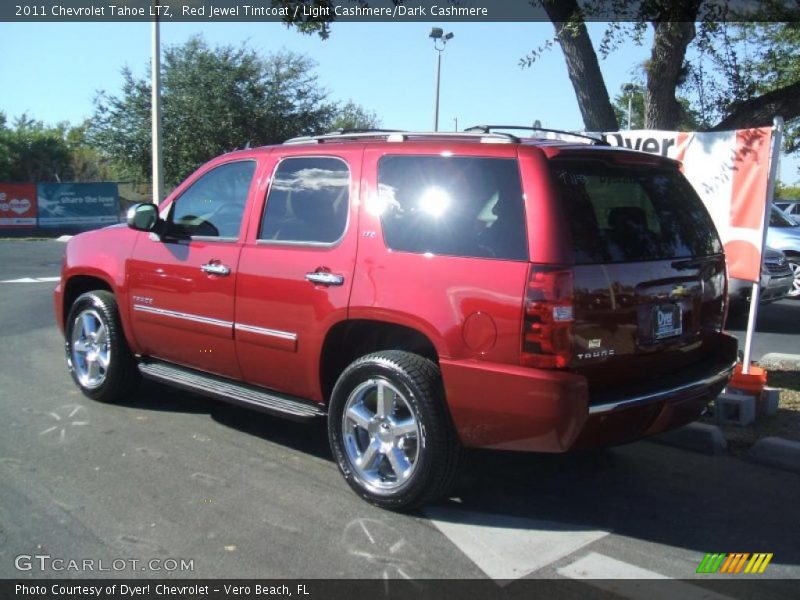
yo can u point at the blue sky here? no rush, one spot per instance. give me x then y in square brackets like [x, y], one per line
[52, 71]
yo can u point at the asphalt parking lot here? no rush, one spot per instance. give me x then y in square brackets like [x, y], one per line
[170, 475]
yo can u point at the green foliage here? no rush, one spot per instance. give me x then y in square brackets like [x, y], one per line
[689, 119]
[31, 151]
[353, 116]
[213, 101]
[787, 192]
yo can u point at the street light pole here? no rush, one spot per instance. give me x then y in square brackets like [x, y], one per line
[155, 108]
[629, 89]
[440, 39]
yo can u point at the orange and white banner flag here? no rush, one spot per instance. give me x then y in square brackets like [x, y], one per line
[730, 172]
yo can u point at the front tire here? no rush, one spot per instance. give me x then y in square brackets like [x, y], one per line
[390, 432]
[98, 357]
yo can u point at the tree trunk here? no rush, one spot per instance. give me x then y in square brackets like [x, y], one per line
[662, 109]
[759, 112]
[582, 65]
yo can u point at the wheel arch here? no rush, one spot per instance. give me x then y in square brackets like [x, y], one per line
[347, 340]
[78, 284]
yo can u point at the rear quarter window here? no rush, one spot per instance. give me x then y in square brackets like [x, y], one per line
[624, 213]
[454, 206]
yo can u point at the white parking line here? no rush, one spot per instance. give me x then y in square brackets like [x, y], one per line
[612, 575]
[32, 280]
[510, 547]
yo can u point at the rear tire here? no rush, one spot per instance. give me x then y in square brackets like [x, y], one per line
[98, 356]
[390, 432]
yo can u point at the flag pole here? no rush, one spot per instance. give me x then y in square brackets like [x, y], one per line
[774, 157]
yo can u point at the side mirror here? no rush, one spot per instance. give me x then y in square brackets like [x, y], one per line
[142, 217]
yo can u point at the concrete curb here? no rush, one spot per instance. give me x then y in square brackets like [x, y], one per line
[64, 238]
[777, 360]
[776, 452]
[697, 437]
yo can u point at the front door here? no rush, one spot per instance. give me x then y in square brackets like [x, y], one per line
[182, 286]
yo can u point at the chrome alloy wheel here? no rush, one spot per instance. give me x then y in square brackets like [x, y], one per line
[795, 291]
[90, 350]
[381, 435]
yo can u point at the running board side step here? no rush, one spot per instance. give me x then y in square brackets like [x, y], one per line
[231, 391]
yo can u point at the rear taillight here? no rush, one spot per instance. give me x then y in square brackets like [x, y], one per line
[547, 323]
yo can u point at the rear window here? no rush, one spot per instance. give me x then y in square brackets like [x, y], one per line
[624, 213]
[455, 206]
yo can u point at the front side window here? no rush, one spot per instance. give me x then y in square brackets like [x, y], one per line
[454, 206]
[308, 201]
[214, 205]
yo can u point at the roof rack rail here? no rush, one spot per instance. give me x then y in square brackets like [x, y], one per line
[393, 135]
[489, 128]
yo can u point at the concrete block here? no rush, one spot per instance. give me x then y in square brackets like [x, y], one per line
[698, 437]
[736, 409]
[777, 360]
[768, 401]
[777, 452]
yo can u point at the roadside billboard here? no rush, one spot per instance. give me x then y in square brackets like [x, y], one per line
[17, 205]
[85, 205]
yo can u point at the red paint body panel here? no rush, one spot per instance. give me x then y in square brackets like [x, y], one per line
[102, 254]
[514, 408]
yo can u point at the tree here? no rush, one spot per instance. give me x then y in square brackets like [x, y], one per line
[747, 90]
[353, 116]
[214, 100]
[690, 119]
[32, 152]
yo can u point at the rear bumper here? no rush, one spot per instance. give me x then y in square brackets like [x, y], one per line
[517, 408]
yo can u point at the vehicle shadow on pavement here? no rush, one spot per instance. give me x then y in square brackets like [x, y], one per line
[645, 491]
[308, 437]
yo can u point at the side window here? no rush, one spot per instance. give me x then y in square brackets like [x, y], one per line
[454, 206]
[308, 201]
[213, 206]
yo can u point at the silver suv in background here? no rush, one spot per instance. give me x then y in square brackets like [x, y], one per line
[791, 208]
[784, 235]
[777, 280]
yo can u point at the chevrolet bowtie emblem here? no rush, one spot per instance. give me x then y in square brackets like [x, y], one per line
[679, 291]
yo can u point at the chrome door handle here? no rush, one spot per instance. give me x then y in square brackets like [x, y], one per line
[324, 278]
[215, 269]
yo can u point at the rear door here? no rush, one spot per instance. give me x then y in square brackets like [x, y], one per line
[296, 269]
[649, 275]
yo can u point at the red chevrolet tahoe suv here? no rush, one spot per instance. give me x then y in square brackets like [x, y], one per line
[423, 292]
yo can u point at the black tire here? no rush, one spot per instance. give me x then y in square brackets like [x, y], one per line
[415, 386]
[120, 375]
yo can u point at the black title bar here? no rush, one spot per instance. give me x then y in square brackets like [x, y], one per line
[346, 11]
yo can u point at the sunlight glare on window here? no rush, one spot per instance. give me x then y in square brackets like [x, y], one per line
[434, 201]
